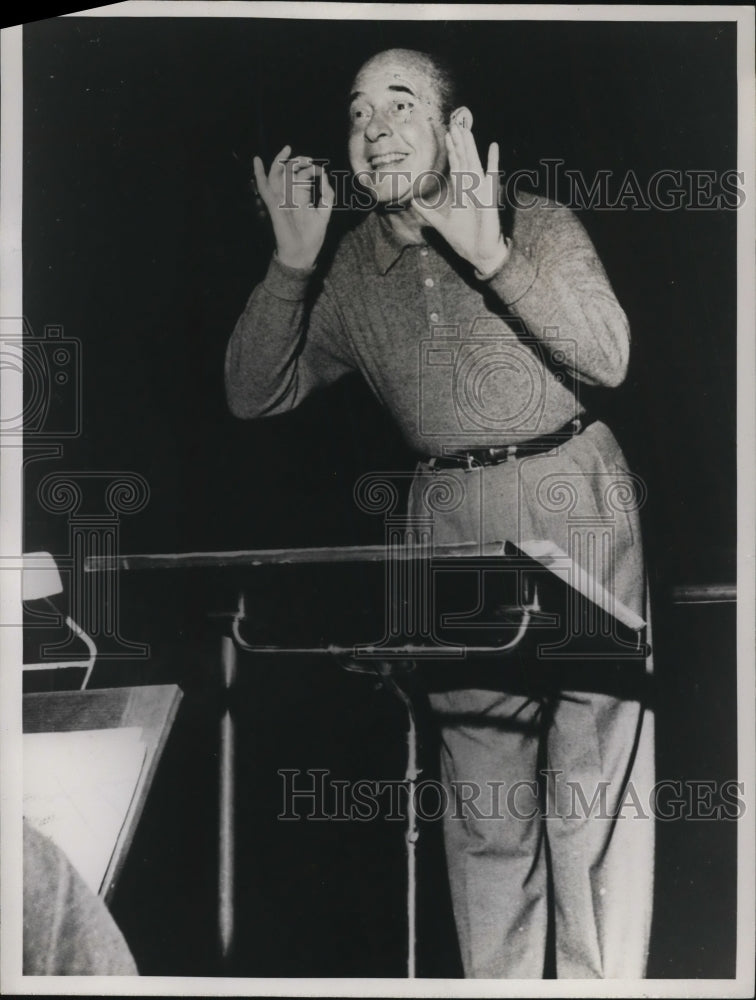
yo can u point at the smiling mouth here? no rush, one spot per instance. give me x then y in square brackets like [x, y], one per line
[386, 159]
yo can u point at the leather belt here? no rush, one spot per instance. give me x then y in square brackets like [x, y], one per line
[476, 458]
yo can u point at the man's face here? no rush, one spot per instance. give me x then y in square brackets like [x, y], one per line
[396, 131]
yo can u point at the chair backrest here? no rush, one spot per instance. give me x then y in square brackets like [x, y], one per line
[41, 579]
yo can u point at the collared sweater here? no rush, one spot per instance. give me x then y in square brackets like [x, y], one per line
[459, 360]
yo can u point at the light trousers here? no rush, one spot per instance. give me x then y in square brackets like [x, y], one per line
[562, 829]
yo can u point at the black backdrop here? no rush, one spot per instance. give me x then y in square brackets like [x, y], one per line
[142, 241]
[140, 238]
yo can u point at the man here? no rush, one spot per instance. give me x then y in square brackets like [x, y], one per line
[430, 267]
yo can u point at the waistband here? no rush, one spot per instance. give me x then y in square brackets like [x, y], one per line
[476, 458]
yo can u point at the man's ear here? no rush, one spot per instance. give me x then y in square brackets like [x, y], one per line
[462, 117]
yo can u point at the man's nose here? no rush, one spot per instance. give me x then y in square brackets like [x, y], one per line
[377, 128]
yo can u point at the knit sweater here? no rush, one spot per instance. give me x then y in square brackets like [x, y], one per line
[459, 361]
[68, 931]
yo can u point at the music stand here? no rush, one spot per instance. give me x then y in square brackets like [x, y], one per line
[531, 599]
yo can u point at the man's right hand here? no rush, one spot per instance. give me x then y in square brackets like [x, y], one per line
[289, 192]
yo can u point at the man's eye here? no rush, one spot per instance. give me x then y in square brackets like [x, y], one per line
[402, 109]
[357, 114]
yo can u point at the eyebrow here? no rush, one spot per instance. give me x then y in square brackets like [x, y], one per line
[391, 86]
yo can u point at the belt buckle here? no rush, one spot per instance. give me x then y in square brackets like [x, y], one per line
[506, 454]
[465, 460]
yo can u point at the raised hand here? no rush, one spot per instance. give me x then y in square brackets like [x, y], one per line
[469, 219]
[289, 192]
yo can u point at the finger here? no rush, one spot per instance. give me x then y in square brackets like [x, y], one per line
[279, 161]
[259, 173]
[305, 172]
[262, 188]
[492, 166]
[327, 194]
[297, 166]
[459, 146]
[454, 164]
[309, 181]
[457, 171]
[294, 179]
[471, 150]
[299, 163]
[468, 154]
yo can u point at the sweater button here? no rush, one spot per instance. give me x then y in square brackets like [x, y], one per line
[429, 282]
[434, 317]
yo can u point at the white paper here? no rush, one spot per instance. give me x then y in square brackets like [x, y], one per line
[78, 787]
[561, 565]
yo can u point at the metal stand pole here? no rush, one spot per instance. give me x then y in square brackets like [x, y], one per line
[226, 804]
[412, 834]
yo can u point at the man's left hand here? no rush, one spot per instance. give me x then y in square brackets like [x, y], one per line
[469, 220]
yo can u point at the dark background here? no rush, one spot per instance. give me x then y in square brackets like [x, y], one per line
[141, 239]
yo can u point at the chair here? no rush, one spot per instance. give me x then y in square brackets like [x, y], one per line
[41, 581]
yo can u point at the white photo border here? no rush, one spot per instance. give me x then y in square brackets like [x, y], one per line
[12, 981]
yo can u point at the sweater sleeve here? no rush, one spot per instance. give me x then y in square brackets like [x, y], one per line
[556, 284]
[68, 931]
[282, 349]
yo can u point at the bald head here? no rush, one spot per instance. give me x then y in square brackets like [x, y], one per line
[438, 77]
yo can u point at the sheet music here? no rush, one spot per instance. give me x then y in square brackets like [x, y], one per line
[78, 787]
[561, 565]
